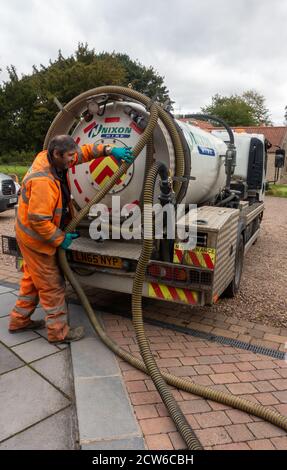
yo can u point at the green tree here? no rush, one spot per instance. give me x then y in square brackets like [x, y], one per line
[257, 102]
[17, 98]
[233, 109]
[143, 79]
[247, 109]
[27, 105]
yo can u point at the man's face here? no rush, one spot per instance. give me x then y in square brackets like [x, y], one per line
[62, 162]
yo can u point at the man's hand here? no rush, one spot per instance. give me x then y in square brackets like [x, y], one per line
[69, 237]
[123, 153]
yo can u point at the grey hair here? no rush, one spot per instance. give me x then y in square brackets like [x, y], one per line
[61, 143]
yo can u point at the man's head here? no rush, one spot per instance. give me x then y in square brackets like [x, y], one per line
[61, 150]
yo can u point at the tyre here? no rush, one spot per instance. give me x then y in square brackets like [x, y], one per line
[234, 286]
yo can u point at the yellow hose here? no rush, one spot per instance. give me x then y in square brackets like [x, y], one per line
[183, 384]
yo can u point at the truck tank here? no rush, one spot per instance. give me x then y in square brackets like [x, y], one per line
[121, 125]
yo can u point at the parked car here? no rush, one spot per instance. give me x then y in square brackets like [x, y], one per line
[8, 193]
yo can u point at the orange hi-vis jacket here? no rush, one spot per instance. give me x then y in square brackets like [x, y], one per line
[40, 203]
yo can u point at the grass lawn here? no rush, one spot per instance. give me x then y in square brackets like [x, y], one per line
[279, 190]
[18, 170]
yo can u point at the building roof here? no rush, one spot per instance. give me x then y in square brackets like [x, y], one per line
[276, 135]
[205, 125]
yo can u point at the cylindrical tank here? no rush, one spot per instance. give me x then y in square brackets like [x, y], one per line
[121, 125]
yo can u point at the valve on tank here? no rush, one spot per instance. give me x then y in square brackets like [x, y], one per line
[137, 118]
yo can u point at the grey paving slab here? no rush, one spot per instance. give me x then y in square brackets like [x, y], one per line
[8, 360]
[4, 289]
[91, 358]
[133, 443]
[34, 350]
[54, 433]
[104, 411]
[63, 346]
[58, 370]
[78, 317]
[43, 332]
[25, 399]
[7, 302]
[16, 292]
[105, 416]
[9, 284]
[38, 314]
[15, 338]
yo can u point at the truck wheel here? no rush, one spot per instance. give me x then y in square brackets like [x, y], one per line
[233, 287]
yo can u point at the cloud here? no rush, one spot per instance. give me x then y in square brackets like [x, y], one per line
[201, 48]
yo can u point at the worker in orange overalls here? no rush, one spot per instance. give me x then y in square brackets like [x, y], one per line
[44, 210]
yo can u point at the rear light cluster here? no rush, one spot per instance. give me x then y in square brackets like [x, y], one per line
[179, 274]
[168, 273]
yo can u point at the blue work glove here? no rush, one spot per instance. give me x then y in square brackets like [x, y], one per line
[123, 153]
[69, 237]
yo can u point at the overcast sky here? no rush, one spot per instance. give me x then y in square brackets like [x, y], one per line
[200, 47]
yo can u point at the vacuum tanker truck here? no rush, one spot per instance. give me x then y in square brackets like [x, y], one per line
[218, 180]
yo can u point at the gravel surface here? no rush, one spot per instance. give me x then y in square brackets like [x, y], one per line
[262, 296]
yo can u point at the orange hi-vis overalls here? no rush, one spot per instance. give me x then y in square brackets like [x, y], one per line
[38, 235]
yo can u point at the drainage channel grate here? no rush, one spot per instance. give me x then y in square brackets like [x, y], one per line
[221, 339]
[235, 343]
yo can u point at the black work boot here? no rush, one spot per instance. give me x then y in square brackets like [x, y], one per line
[74, 334]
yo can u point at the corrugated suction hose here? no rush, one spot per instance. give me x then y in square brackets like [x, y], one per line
[149, 364]
[165, 393]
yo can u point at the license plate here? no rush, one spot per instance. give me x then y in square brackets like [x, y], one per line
[98, 260]
[13, 199]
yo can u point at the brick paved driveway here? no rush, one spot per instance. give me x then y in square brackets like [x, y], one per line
[253, 376]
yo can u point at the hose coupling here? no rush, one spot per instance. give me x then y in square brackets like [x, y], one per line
[167, 195]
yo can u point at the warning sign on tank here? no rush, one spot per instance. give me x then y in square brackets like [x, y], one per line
[200, 257]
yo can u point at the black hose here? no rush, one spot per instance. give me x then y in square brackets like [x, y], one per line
[226, 200]
[209, 117]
